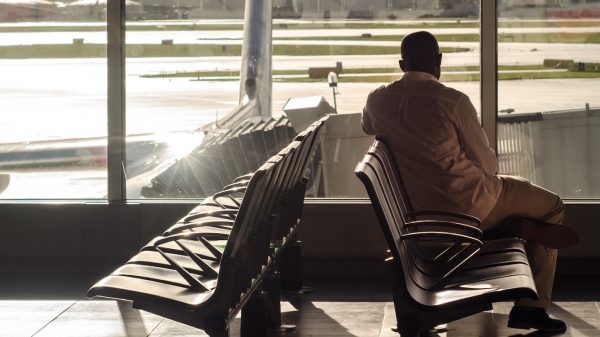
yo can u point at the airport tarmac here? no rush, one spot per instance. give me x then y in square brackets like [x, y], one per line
[43, 95]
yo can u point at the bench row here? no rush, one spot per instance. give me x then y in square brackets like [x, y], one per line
[207, 266]
[220, 158]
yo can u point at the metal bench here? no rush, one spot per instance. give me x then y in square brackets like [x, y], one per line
[224, 204]
[440, 268]
[213, 263]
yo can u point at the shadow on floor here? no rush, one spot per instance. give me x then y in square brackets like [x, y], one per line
[308, 318]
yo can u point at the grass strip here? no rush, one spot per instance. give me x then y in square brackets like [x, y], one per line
[203, 26]
[308, 50]
[187, 50]
[502, 23]
[391, 38]
[218, 73]
[551, 37]
[240, 26]
[448, 77]
[529, 37]
[346, 71]
[444, 69]
[453, 77]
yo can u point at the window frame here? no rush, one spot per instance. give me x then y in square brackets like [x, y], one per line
[116, 145]
[488, 45]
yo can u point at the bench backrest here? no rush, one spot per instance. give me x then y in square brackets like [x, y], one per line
[382, 179]
[295, 182]
[247, 252]
[372, 173]
[244, 254]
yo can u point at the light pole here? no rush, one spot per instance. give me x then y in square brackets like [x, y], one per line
[333, 81]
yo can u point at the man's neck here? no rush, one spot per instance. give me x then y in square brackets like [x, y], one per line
[419, 75]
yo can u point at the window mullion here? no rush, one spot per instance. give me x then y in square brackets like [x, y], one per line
[489, 66]
[116, 100]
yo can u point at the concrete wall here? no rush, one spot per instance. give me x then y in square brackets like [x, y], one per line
[93, 238]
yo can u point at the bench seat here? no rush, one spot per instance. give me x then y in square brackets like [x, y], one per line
[440, 269]
[144, 290]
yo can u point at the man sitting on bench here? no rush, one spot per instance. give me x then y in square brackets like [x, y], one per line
[447, 164]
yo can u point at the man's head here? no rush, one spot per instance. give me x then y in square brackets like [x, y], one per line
[420, 52]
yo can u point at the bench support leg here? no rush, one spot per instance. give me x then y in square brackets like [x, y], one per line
[290, 265]
[254, 316]
[271, 284]
[412, 322]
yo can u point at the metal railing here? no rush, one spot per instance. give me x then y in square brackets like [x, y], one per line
[554, 149]
[516, 151]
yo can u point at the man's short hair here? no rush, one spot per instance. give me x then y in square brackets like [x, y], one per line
[419, 50]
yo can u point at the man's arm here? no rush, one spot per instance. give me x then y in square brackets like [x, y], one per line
[365, 122]
[473, 139]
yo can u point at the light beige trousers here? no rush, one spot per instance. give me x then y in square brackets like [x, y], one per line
[520, 197]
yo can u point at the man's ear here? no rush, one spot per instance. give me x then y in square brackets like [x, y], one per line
[402, 66]
[439, 60]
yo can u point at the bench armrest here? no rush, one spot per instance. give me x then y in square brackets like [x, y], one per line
[451, 262]
[240, 183]
[244, 177]
[443, 235]
[454, 250]
[476, 232]
[446, 213]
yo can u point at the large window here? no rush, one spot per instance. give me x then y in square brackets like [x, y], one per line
[181, 87]
[52, 100]
[184, 67]
[548, 94]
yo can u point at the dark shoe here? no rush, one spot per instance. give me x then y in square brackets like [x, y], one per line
[534, 318]
[547, 234]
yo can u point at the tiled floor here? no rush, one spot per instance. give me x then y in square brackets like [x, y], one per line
[360, 308]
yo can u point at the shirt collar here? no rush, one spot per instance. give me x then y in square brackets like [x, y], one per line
[419, 76]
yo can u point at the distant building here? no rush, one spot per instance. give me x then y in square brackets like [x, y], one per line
[95, 10]
[546, 3]
[27, 10]
[214, 9]
[560, 9]
[352, 9]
